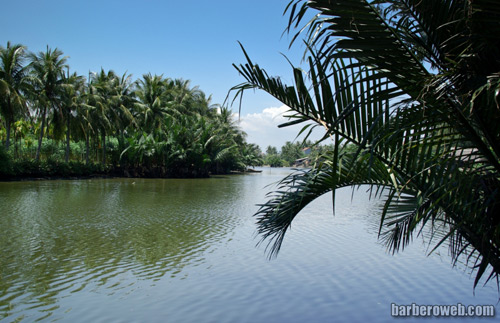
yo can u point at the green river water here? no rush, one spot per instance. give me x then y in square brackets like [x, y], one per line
[169, 250]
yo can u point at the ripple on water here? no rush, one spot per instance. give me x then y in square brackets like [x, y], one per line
[184, 250]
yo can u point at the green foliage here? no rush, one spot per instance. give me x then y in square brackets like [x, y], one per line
[77, 148]
[408, 89]
[12, 84]
[46, 82]
[49, 147]
[31, 168]
[6, 169]
[274, 161]
[251, 155]
[291, 152]
[155, 126]
[27, 168]
[270, 150]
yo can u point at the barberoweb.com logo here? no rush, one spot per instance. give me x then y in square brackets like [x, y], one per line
[459, 310]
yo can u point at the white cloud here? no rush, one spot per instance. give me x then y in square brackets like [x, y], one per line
[262, 128]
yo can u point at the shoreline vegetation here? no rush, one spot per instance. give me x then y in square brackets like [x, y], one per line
[58, 124]
[111, 173]
[291, 155]
[54, 170]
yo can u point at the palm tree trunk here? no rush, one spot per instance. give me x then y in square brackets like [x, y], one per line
[97, 147]
[8, 124]
[122, 140]
[66, 157]
[87, 148]
[41, 135]
[16, 152]
[7, 142]
[104, 148]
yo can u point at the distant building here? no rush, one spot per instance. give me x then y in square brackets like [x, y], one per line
[302, 162]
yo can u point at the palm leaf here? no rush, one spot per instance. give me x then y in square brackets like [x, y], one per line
[431, 139]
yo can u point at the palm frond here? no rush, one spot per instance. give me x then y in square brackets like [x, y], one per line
[429, 135]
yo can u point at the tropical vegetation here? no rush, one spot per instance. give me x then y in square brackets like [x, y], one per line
[414, 87]
[299, 153]
[54, 122]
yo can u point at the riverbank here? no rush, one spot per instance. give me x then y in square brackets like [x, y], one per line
[29, 170]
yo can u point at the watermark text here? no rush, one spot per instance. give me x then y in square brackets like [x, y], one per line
[458, 310]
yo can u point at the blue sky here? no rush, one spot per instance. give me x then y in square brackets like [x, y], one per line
[195, 40]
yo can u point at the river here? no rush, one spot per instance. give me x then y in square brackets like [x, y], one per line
[172, 250]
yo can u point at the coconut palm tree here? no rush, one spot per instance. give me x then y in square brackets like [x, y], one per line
[124, 103]
[182, 98]
[179, 95]
[151, 92]
[226, 141]
[203, 105]
[412, 85]
[100, 98]
[251, 155]
[12, 84]
[47, 78]
[85, 113]
[71, 99]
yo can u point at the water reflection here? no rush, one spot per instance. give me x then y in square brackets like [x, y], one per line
[182, 250]
[60, 236]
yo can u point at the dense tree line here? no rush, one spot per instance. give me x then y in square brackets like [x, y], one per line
[154, 126]
[300, 153]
